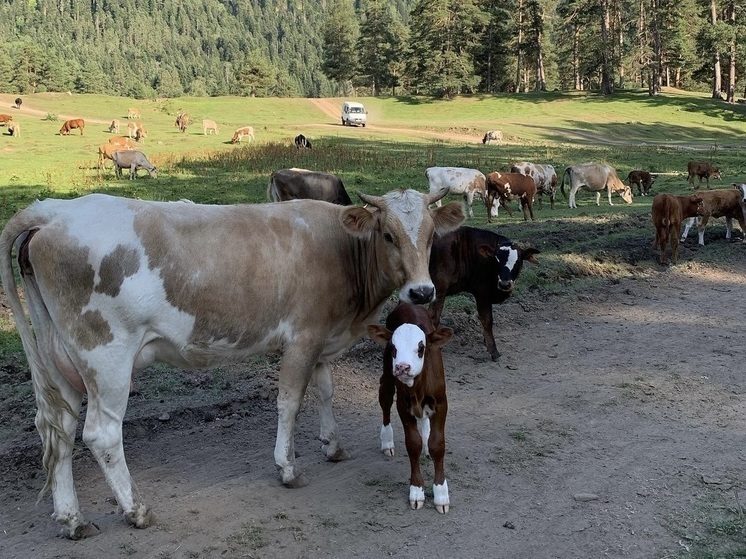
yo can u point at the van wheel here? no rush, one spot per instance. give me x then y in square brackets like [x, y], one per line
[363, 125]
[343, 122]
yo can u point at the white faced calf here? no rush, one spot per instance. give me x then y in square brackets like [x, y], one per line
[413, 368]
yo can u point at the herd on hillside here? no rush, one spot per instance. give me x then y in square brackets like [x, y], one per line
[91, 329]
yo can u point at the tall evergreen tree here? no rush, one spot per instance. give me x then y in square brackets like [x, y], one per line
[380, 45]
[340, 33]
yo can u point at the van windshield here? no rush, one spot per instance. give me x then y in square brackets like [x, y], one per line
[355, 110]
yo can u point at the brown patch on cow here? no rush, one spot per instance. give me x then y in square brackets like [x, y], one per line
[121, 263]
[91, 330]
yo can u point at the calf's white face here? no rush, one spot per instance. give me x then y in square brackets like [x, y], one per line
[408, 352]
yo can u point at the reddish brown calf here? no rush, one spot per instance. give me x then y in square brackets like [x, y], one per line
[668, 213]
[703, 170]
[72, 124]
[413, 368]
[506, 186]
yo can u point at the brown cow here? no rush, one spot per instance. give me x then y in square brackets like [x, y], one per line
[106, 151]
[642, 179]
[504, 186]
[123, 141]
[72, 124]
[5, 119]
[241, 133]
[133, 113]
[727, 203]
[413, 368]
[668, 212]
[703, 170]
[182, 121]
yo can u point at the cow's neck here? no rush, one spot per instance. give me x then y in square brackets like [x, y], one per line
[369, 275]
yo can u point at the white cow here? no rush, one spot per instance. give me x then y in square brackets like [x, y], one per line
[595, 177]
[544, 177]
[459, 180]
[493, 136]
[114, 285]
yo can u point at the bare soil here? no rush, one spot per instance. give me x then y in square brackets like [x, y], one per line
[614, 425]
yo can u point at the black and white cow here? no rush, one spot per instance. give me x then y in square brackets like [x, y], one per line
[301, 142]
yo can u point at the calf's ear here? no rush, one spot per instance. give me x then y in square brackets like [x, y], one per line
[440, 337]
[379, 334]
[486, 251]
[447, 218]
[528, 254]
[358, 221]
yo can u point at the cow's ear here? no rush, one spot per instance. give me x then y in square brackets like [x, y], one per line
[379, 334]
[448, 217]
[440, 337]
[528, 254]
[358, 221]
[486, 251]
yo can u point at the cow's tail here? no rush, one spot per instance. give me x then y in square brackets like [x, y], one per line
[272, 194]
[51, 406]
[567, 172]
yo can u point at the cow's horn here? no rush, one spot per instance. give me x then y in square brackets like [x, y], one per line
[434, 197]
[376, 201]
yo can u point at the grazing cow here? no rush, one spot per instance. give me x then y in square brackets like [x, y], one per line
[140, 134]
[18, 102]
[133, 113]
[544, 176]
[123, 141]
[209, 126]
[241, 133]
[703, 170]
[114, 285]
[458, 180]
[182, 121]
[5, 119]
[502, 187]
[727, 203]
[106, 151]
[301, 141]
[14, 129]
[132, 160]
[479, 262]
[297, 184]
[114, 126]
[668, 212]
[642, 179]
[493, 135]
[72, 124]
[595, 177]
[413, 368]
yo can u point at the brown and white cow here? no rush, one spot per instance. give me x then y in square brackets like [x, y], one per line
[668, 212]
[458, 180]
[493, 136]
[479, 262]
[643, 179]
[209, 126]
[136, 131]
[114, 126]
[504, 187]
[595, 177]
[544, 176]
[727, 203]
[5, 119]
[298, 184]
[106, 151]
[72, 124]
[14, 129]
[241, 133]
[196, 285]
[703, 170]
[182, 121]
[413, 368]
[133, 113]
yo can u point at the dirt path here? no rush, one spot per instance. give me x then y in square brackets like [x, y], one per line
[633, 394]
[9, 100]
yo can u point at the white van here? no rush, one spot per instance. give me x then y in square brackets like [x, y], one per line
[353, 113]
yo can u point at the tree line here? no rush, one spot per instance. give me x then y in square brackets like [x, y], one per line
[316, 48]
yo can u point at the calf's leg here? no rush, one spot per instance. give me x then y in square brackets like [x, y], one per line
[414, 449]
[386, 390]
[437, 446]
[484, 310]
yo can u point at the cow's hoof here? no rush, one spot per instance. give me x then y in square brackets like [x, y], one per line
[296, 482]
[75, 527]
[442, 509]
[416, 497]
[334, 453]
[388, 451]
[440, 497]
[140, 517]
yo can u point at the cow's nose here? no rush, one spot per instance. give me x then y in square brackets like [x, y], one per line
[505, 285]
[402, 369]
[421, 295]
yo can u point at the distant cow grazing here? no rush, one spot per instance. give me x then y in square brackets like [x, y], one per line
[106, 151]
[5, 119]
[241, 133]
[493, 136]
[643, 179]
[298, 184]
[133, 113]
[209, 126]
[302, 142]
[479, 262]
[18, 102]
[668, 212]
[14, 129]
[132, 160]
[72, 124]
[114, 126]
[182, 121]
[544, 176]
[413, 368]
[122, 141]
[703, 170]
[503, 187]
[114, 285]
[727, 203]
[595, 177]
[458, 180]
[136, 131]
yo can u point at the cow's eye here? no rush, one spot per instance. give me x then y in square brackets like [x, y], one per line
[420, 350]
[388, 238]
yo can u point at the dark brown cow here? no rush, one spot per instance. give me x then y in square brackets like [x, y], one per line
[5, 119]
[479, 262]
[296, 184]
[72, 124]
[413, 368]
[727, 203]
[703, 170]
[668, 212]
[506, 186]
[182, 121]
[642, 179]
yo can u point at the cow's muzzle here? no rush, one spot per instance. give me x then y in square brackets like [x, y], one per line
[421, 295]
[505, 285]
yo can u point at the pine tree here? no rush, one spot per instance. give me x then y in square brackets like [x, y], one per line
[380, 45]
[340, 32]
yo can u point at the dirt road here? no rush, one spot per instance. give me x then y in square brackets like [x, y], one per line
[9, 102]
[613, 426]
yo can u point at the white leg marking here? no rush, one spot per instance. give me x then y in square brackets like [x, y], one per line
[728, 227]
[416, 497]
[423, 426]
[440, 497]
[687, 227]
[387, 440]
